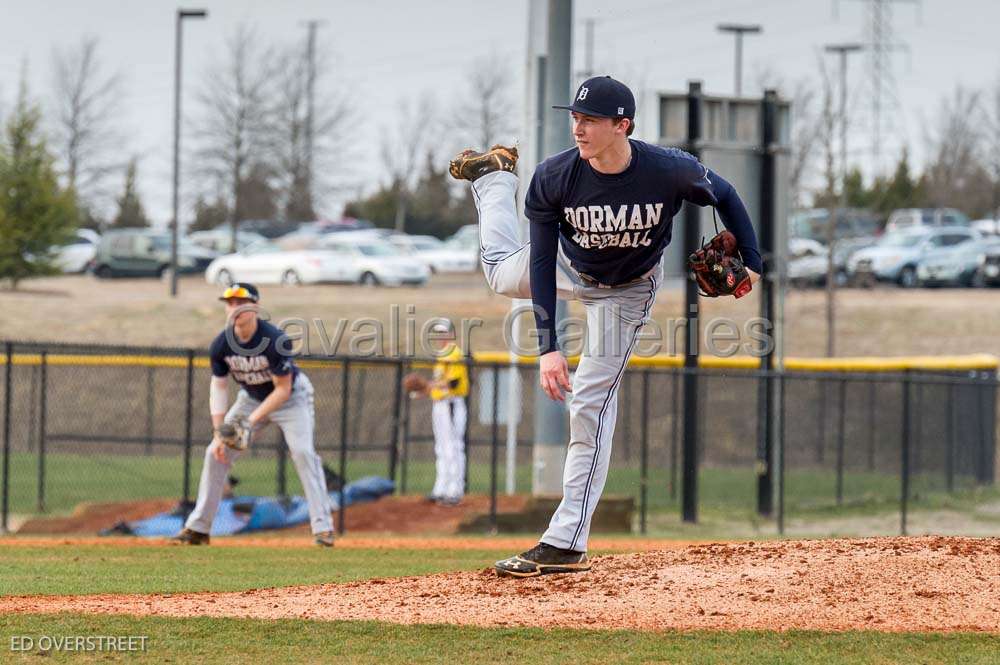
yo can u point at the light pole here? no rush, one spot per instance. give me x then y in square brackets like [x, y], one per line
[175, 230]
[739, 29]
[843, 50]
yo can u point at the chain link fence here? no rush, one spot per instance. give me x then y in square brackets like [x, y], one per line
[101, 424]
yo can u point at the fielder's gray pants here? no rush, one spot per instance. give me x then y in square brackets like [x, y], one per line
[448, 417]
[296, 419]
[614, 317]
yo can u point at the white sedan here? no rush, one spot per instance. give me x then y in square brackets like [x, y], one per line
[439, 256]
[76, 255]
[266, 263]
[377, 262]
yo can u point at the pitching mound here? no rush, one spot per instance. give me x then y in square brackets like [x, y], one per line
[891, 584]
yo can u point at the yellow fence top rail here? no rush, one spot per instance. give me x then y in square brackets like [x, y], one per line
[980, 361]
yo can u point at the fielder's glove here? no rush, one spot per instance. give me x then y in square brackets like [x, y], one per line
[235, 435]
[415, 384]
[717, 268]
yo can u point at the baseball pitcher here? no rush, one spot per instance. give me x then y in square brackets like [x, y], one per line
[272, 389]
[600, 217]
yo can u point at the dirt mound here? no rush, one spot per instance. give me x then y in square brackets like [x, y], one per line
[891, 584]
[392, 514]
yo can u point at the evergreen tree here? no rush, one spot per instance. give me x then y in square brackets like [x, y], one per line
[131, 213]
[35, 214]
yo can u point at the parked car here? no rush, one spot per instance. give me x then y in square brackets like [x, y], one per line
[988, 227]
[219, 239]
[807, 260]
[265, 262]
[851, 223]
[378, 262]
[960, 265]
[269, 228]
[145, 253]
[440, 257]
[895, 256]
[991, 266]
[908, 218]
[76, 255]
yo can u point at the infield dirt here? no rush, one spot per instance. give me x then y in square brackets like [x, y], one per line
[888, 584]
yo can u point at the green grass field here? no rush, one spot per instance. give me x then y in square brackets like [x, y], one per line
[89, 569]
[724, 493]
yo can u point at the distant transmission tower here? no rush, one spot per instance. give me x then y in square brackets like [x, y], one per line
[880, 43]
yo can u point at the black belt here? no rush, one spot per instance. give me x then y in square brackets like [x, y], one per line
[591, 282]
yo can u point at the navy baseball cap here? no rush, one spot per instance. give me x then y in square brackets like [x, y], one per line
[243, 290]
[604, 97]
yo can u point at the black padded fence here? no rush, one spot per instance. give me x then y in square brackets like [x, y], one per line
[107, 424]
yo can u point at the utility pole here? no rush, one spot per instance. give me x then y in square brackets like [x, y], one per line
[310, 105]
[178, 60]
[843, 50]
[588, 49]
[739, 29]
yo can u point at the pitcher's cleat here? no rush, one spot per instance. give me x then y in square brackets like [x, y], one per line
[189, 537]
[469, 164]
[324, 539]
[543, 559]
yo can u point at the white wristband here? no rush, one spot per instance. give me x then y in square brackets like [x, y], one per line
[218, 398]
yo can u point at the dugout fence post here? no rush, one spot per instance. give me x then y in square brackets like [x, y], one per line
[42, 413]
[189, 393]
[905, 454]
[675, 423]
[986, 385]
[5, 504]
[396, 414]
[692, 233]
[949, 439]
[644, 458]
[871, 425]
[150, 408]
[781, 452]
[468, 420]
[404, 465]
[990, 449]
[494, 445]
[842, 408]
[345, 398]
[282, 463]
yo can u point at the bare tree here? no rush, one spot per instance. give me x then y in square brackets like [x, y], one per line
[991, 130]
[955, 166]
[85, 99]
[403, 146]
[309, 158]
[485, 112]
[231, 130]
[828, 121]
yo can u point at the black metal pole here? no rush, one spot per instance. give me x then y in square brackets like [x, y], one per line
[985, 475]
[345, 387]
[625, 407]
[768, 224]
[494, 445]
[187, 426]
[990, 448]
[842, 408]
[949, 457]
[6, 437]
[918, 411]
[42, 416]
[905, 451]
[405, 462]
[396, 415]
[282, 459]
[781, 454]
[150, 408]
[468, 420]
[692, 234]
[644, 460]
[871, 426]
[821, 437]
[675, 434]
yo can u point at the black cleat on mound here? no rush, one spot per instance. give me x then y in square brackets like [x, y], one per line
[469, 164]
[189, 537]
[543, 559]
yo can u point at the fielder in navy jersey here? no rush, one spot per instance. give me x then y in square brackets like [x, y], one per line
[600, 217]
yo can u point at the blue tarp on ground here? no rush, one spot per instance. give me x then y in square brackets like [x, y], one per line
[243, 514]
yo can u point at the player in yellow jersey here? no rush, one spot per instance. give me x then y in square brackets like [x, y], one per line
[448, 389]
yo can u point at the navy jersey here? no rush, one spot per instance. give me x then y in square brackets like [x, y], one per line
[253, 363]
[613, 228]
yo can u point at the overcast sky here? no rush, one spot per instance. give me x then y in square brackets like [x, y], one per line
[388, 50]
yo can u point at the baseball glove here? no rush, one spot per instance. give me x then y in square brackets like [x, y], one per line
[717, 268]
[235, 435]
[415, 383]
